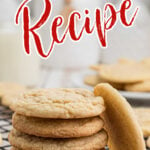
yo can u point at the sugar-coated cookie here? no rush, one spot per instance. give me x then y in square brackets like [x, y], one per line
[143, 116]
[57, 128]
[26, 142]
[120, 121]
[125, 73]
[139, 87]
[59, 103]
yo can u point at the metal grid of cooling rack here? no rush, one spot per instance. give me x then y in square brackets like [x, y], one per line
[6, 126]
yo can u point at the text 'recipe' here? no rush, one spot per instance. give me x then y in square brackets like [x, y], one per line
[103, 23]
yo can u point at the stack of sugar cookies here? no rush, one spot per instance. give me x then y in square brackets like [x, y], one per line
[128, 75]
[58, 119]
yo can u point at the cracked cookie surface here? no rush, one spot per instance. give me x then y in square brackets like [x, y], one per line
[59, 103]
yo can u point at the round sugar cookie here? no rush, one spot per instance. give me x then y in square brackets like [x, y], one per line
[120, 121]
[57, 128]
[125, 73]
[28, 142]
[138, 87]
[59, 103]
[143, 116]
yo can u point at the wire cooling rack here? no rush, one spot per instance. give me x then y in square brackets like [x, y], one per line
[6, 126]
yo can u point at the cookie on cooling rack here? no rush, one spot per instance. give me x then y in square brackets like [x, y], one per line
[27, 142]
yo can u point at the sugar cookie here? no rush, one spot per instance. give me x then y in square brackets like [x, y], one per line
[57, 128]
[125, 73]
[26, 142]
[59, 103]
[120, 121]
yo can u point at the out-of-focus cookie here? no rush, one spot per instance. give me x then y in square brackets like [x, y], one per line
[96, 67]
[125, 73]
[148, 142]
[26, 142]
[146, 61]
[9, 88]
[57, 128]
[93, 80]
[120, 121]
[126, 61]
[138, 87]
[9, 99]
[0, 139]
[59, 103]
[143, 116]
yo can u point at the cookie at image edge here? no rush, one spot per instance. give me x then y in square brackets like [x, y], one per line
[139, 87]
[59, 103]
[57, 128]
[143, 116]
[93, 80]
[125, 73]
[120, 121]
[27, 142]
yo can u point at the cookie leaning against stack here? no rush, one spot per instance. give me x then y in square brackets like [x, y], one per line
[120, 121]
[65, 119]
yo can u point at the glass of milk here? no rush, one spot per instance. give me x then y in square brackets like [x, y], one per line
[15, 65]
